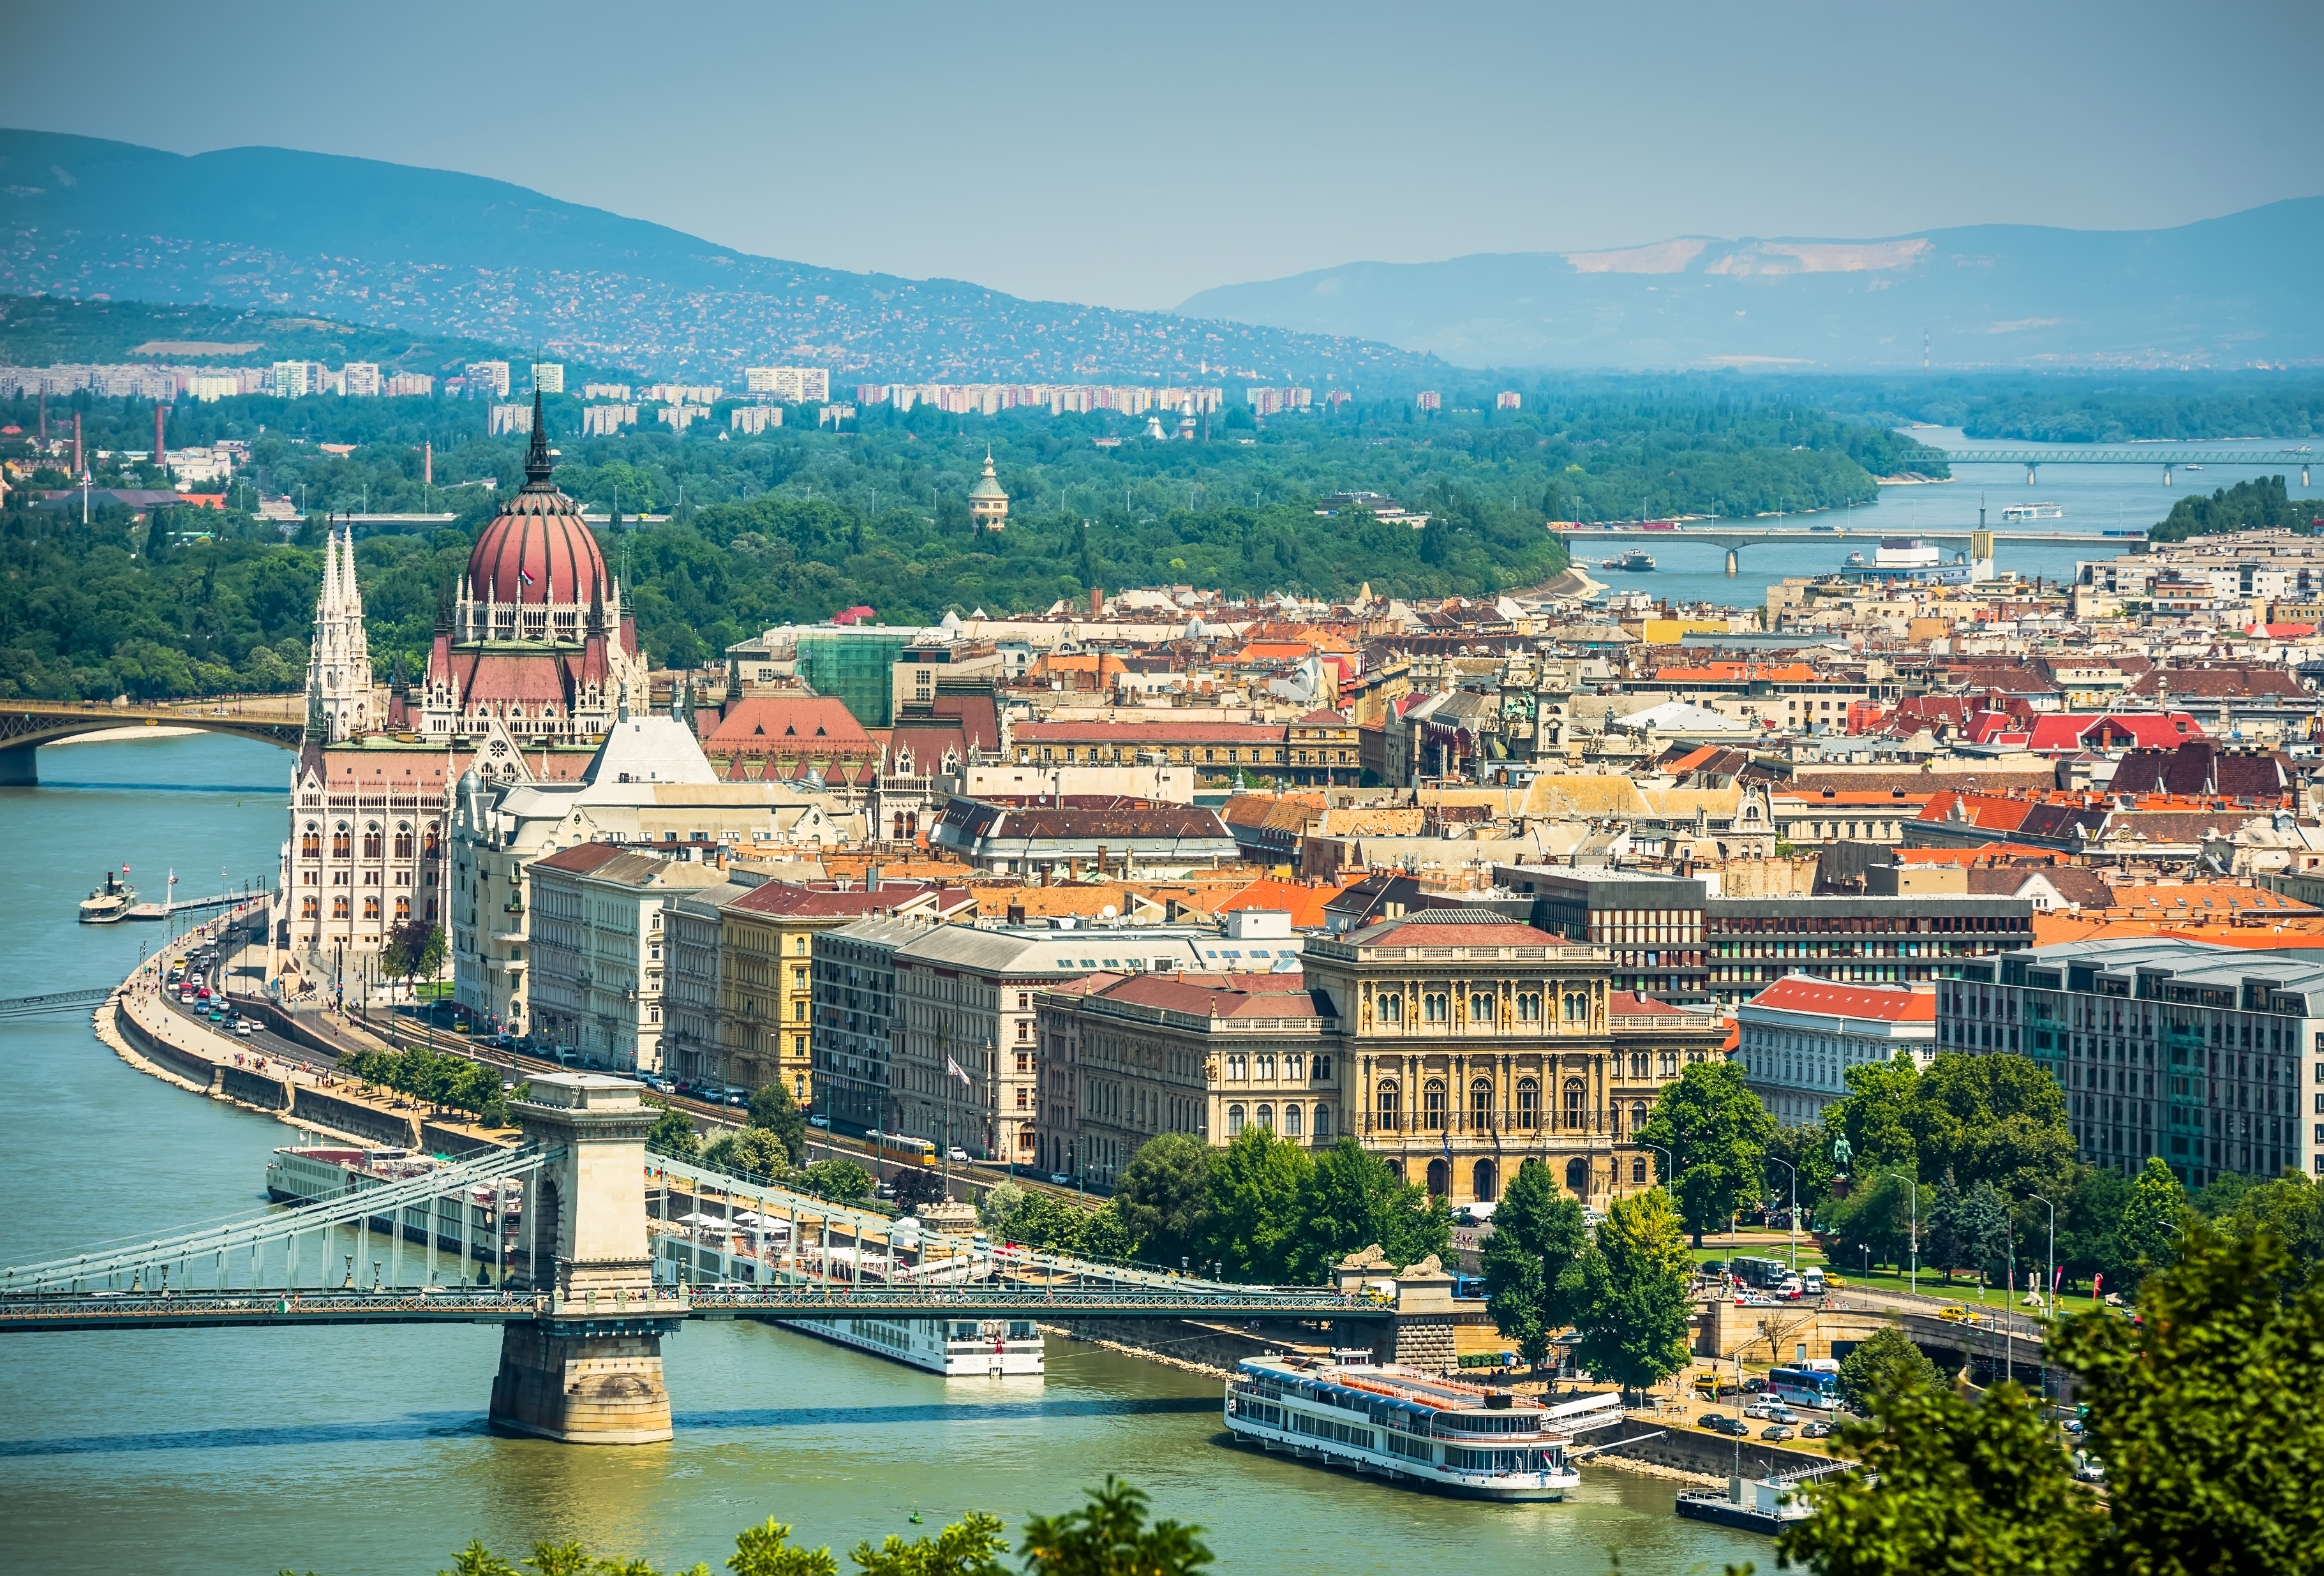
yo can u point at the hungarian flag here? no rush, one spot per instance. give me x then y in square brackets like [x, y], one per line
[524, 577]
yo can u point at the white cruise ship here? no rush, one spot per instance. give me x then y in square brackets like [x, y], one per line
[1410, 1428]
[958, 1348]
[302, 1176]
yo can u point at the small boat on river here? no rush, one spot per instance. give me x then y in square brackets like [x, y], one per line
[108, 904]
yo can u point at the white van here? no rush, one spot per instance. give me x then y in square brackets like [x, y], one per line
[1811, 1280]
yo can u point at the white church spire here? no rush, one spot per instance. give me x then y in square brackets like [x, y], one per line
[338, 664]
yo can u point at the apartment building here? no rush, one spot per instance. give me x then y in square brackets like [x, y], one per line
[1797, 1038]
[857, 1018]
[598, 945]
[2210, 1056]
[1910, 940]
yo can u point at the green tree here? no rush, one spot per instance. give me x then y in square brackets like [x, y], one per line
[2154, 1218]
[1873, 1221]
[1876, 1115]
[842, 1181]
[1110, 1536]
[476, 1560]
[2089, 1228]
[1351, 1200]
[1164, 1197]
[1804, 1147]
[2204, 1413]
[1255, 1188]
[1638, 1293]
[766, 1550]
[1882, 1366]
[1998, 1118]
[1000, 1205]
[970, 1546]
[752, 1152]
[1534, 1279]
[1984, 1227]
[1941, 1241]
[1962, 1488]
[1717, 1133]
[673, 1134]
[2290, 1207]
[773, 1109]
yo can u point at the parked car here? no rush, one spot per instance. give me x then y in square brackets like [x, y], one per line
[1817, 1431]
[956, 1153]
[1714, 1420]
[1061, 1178]
[2073, 1428]
[1775, 1433]
[818, 1121]
[1753, 1383]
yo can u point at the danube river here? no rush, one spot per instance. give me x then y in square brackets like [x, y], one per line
[363, 1451]
[2095, 498]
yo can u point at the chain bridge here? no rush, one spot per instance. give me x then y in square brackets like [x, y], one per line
[592, 1279]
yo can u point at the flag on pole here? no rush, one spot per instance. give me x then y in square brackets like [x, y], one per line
[953, 1068]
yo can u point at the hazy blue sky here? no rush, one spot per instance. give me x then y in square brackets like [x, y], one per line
[1132, 155]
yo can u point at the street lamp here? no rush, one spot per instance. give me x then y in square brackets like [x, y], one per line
[2050, 1280]
[1914, 1183]
[1791, 1216]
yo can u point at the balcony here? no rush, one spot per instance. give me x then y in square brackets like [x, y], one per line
[511, 937]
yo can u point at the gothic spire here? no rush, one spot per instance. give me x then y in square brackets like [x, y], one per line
[536, 459]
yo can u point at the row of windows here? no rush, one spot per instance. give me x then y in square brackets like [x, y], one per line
[311, 840]
[312, 909]
[1436, 1006]
[1263, 1115]
[1388, 1102]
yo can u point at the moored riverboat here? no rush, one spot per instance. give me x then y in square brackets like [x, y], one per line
[108, 904]
[1413, 1429]
[312, 1175]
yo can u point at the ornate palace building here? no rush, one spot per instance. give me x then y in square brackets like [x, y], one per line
[536, 637]
[1454, 1042]
[529, 666]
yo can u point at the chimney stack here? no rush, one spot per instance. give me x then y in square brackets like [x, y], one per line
[1097, 601]
[428, 461]
[78, 465]
[160, 453]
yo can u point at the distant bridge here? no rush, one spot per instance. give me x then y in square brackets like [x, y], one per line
[2179, 457]
[56, 1001]
[27, 725]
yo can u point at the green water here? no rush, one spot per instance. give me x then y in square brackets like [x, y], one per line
[355, 1452]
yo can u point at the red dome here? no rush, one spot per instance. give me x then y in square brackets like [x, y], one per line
[537, 549]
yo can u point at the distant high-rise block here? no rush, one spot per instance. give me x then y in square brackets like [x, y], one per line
[1429, 399]
[549, 376]
[1507, 399]
[487, 378]
[511, 418]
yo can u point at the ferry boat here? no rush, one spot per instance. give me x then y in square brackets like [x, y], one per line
[1762, 1505]
[108, 904]
[1423, 1432]
[304, 1176]
[1906, 552]
[1637, 561]
[958, 1348]
[2014, 512]
[1855, 560]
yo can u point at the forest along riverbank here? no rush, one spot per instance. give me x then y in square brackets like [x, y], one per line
[362, 1452]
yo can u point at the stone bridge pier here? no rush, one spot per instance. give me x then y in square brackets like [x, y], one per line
[589, 1370]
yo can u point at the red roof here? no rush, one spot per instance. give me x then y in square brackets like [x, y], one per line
[1138, 734]
[783, 724]
[1799, 993]
[1625, 1004]
[537, 549]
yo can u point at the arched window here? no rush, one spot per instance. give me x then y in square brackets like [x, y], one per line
[1637, 1170]
[1264, 1116]
[1481, 1106]
[371, 908]
[1390, 1110]
[1234, 1120]
[343, 842]
[1480, 1009]
[404, 911]
[1322, 1122]
[1439, 1177]
[1291, 1122]
[1638, 1065]
[310, 842]
[404, 840]
[1390, 1007]
[1574, 1093]
[1528, 1104]
[1435, 1007]
[338, 907]
[1577, 1176]
[310, 909]
[1528, 1007]
[430, 849]
[374, 843]
[1483, 1179]
[1638, 1115]
[1432, 1105]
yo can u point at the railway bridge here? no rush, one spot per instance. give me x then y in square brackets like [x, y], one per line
[583, 1314]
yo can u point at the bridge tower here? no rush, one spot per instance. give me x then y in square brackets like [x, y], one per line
[588, 1371]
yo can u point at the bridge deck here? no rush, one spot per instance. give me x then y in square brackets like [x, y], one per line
[36, 1314]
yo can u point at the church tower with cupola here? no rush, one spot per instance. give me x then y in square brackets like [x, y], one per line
[339, 662]
[535, 638]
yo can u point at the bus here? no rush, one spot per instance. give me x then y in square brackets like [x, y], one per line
[901, 1147]
[1763, 1273]
[1804, 1386]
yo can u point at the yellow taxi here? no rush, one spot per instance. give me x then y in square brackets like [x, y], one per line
[1958, 1316]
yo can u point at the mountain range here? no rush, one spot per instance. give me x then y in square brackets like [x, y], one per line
[438, 253]
[2226, 292]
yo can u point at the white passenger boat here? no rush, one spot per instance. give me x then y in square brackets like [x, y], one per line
[958, 1348]
[108, 904]
[2016, 514]
[1411, 1428]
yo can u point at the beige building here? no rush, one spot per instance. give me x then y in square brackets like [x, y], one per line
[1454, 1042]
[599, 946]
